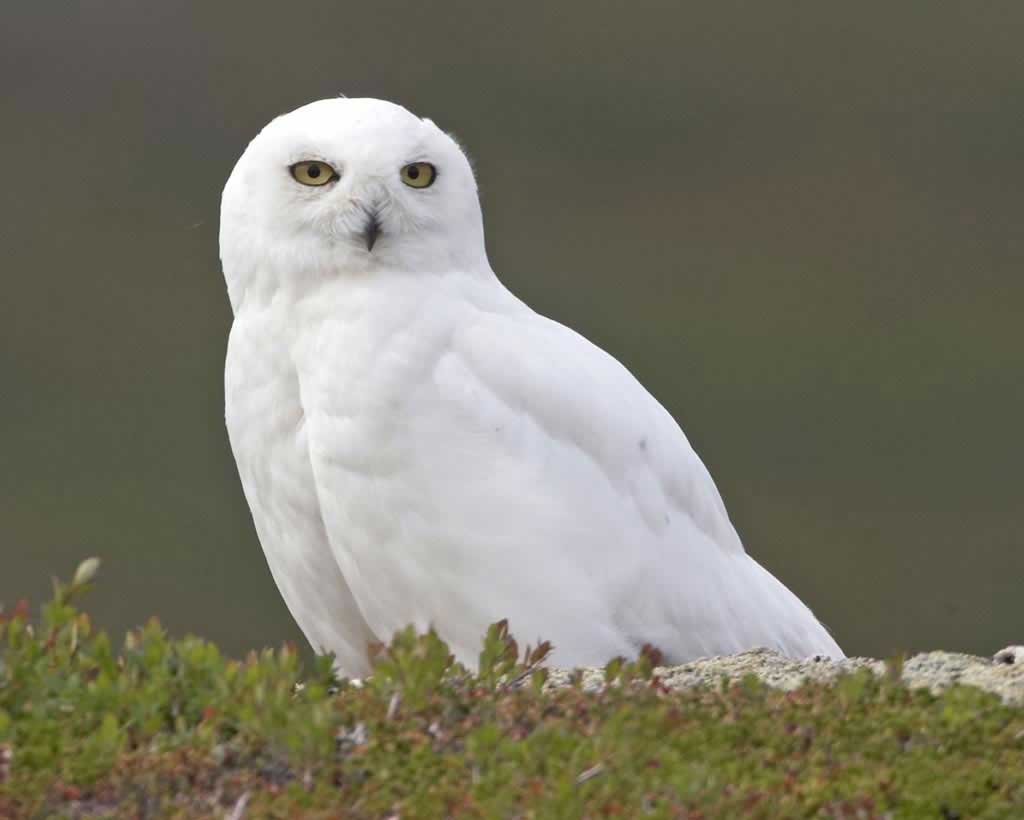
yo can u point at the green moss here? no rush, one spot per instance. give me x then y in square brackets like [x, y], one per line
[167, 727]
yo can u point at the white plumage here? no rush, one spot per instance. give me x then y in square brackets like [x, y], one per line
[419, 446]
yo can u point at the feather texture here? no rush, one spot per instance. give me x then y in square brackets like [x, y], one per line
[419, 446]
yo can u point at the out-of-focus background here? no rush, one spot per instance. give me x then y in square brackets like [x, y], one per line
[799, 224]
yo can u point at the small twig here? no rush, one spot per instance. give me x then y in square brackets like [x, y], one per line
[238, 812]
[518, 679]
[6, 755]
[589, 774]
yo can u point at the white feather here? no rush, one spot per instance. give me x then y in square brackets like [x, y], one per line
[418, 446]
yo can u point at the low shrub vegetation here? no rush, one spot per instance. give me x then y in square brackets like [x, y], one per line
[162, 727]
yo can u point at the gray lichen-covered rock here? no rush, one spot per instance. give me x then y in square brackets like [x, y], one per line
[1003, 675]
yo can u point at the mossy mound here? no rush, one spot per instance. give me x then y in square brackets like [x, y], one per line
[165, 727]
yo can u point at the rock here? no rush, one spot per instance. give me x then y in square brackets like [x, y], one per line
[1003, 675]
[1012, 654]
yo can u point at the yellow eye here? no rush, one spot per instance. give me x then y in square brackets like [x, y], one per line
[313, 172]
[419, 174]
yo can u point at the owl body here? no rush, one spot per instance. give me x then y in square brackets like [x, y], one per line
[418, 446]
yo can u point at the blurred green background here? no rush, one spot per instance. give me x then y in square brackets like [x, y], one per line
[799, 224]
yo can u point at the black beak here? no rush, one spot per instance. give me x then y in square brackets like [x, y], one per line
[371, 231]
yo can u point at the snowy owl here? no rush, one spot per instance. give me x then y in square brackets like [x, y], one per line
[418, 446]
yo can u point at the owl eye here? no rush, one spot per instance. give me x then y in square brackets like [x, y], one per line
[419, 174]
[313, 172]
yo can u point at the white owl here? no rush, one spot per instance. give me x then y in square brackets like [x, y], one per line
[417, 446]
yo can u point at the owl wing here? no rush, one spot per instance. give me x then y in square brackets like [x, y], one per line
[535, 479]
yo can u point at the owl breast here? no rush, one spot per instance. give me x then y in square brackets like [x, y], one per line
[267, 427]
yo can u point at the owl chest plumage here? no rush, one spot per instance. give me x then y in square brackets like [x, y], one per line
[265, 421]
[269, 431]
[325, 401]
[283, 372]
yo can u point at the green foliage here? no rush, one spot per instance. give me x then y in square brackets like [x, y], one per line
[165, 727]
[499, 665]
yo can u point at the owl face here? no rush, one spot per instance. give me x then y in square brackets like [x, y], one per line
[351, 186]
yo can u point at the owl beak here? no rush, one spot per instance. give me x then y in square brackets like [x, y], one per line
[371, 231]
